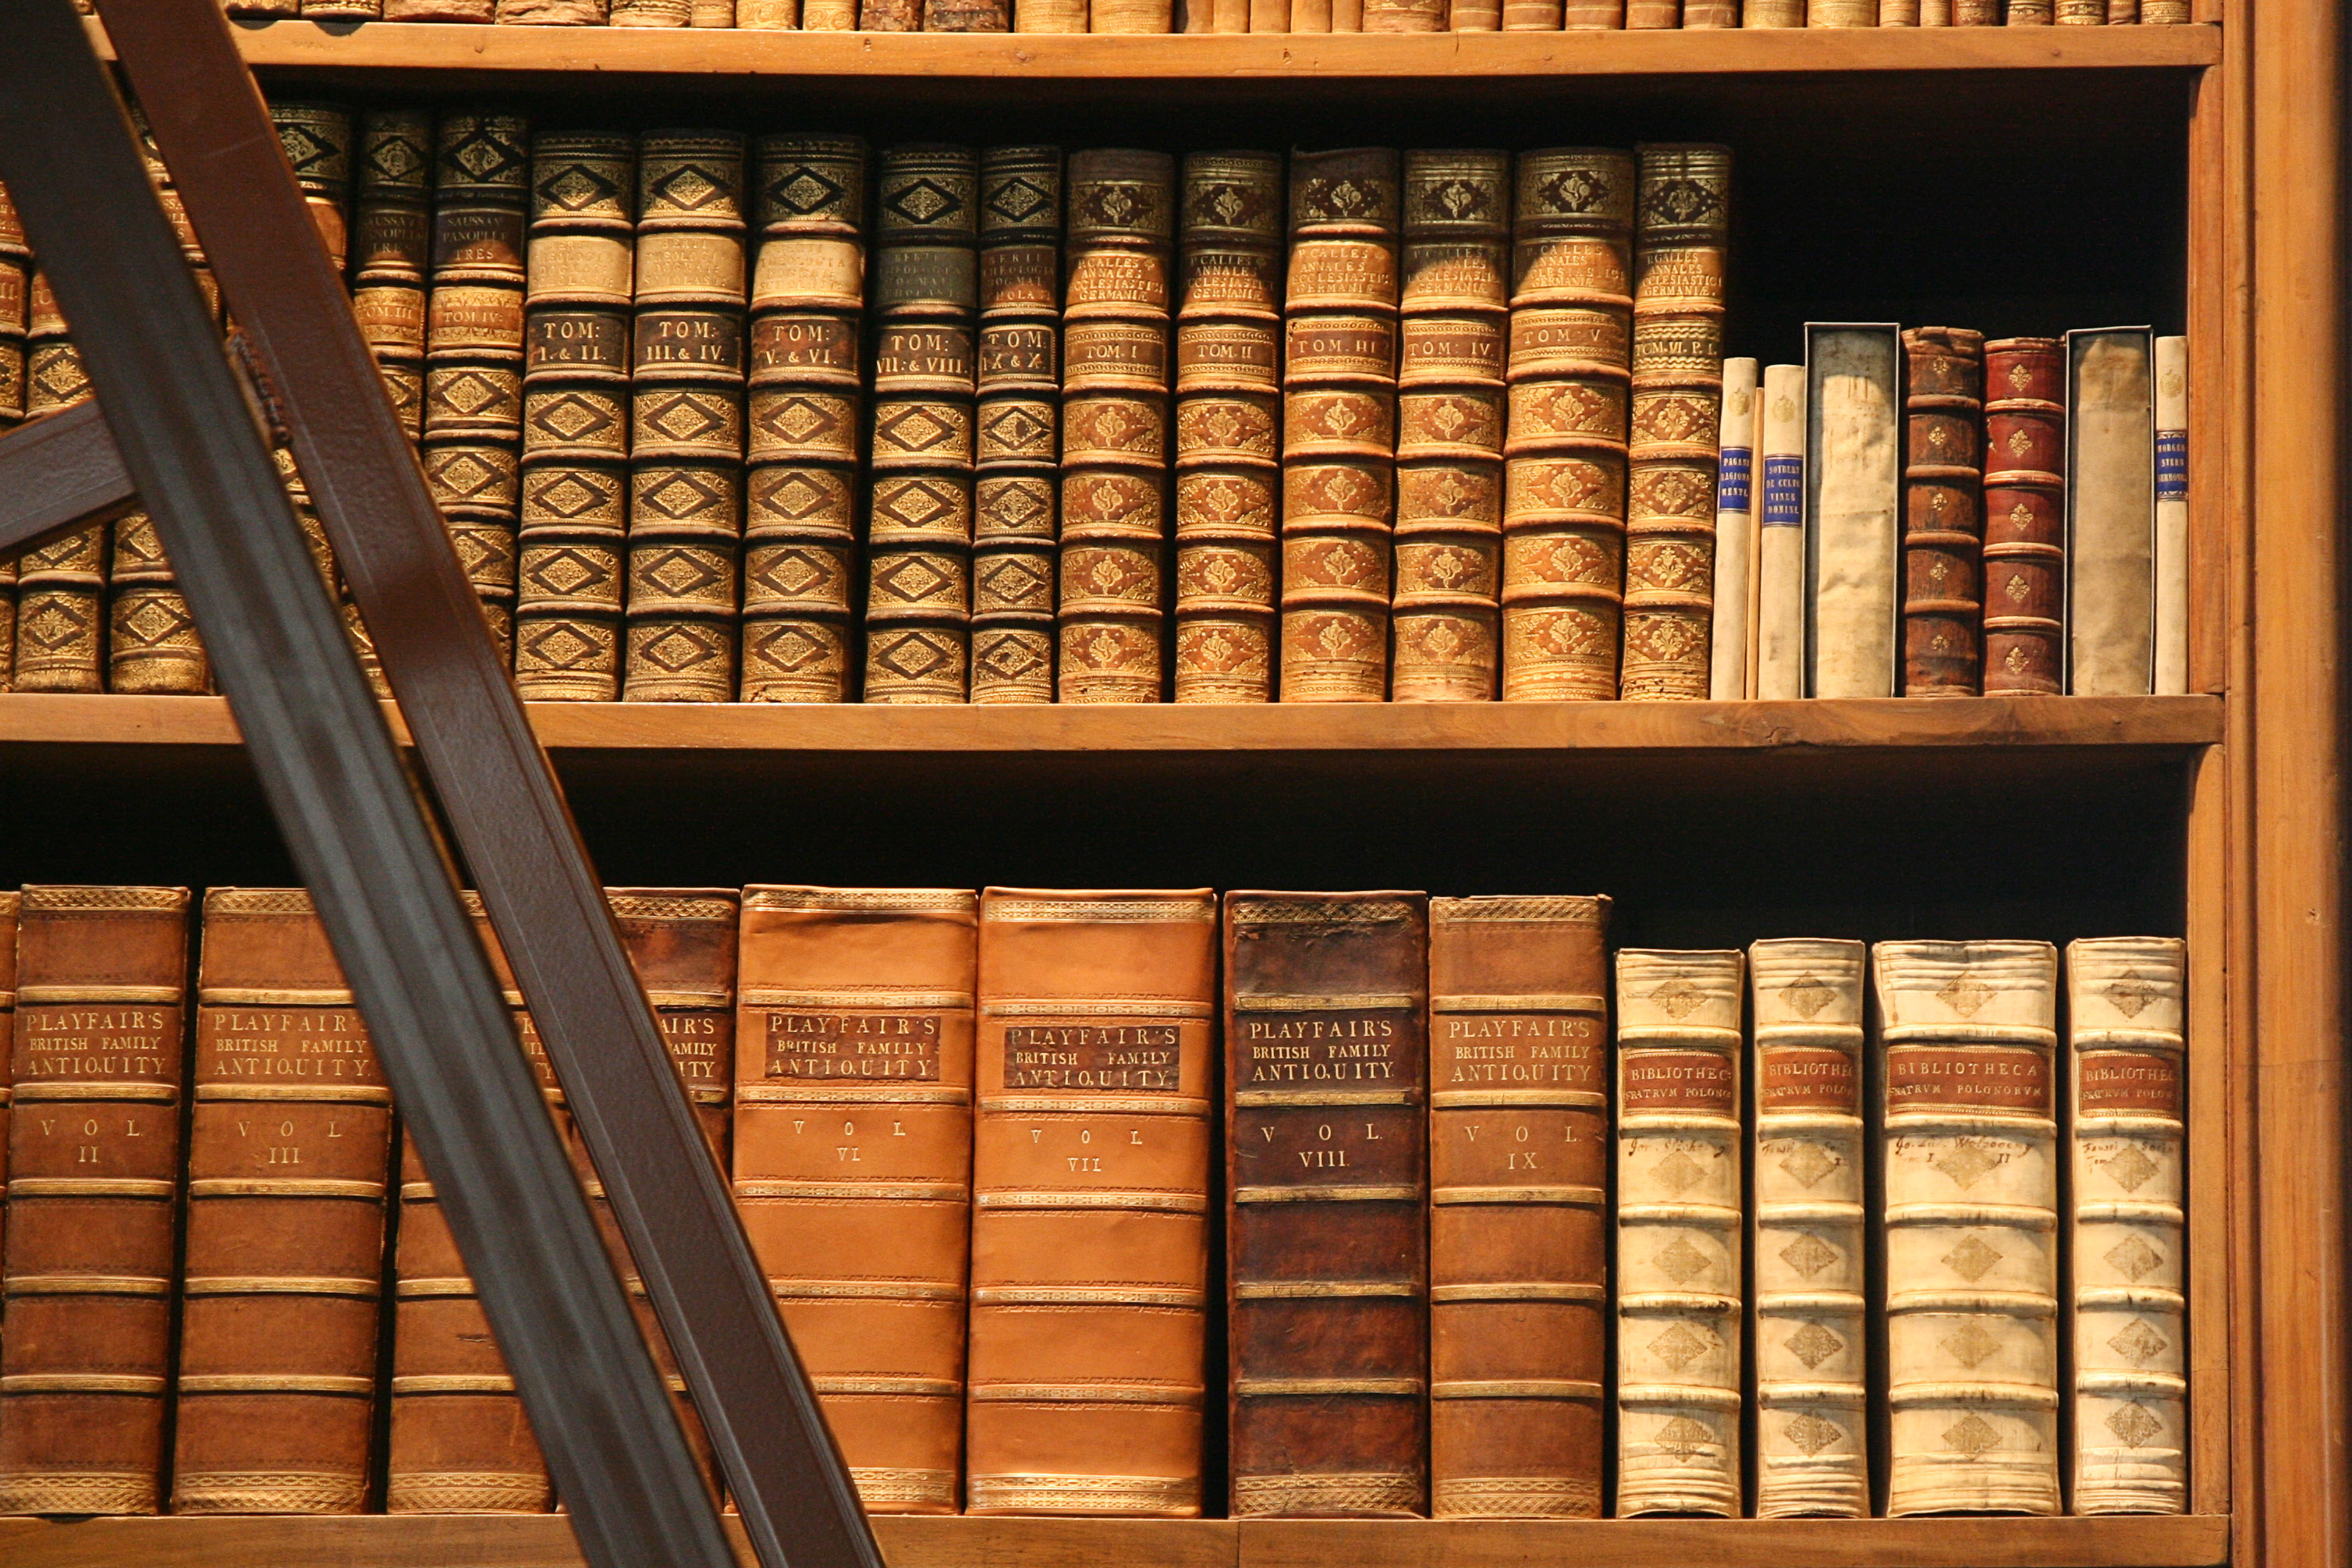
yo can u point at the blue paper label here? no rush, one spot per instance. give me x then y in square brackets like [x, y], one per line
[2172, 465]
[1784, 492]
[1731, 481]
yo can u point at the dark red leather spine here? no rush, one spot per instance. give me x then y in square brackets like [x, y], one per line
[1943, 512]
[2025, 515]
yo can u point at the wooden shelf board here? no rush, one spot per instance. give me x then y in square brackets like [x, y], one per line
[313, 47]
[2007, 723]
[545, 1541]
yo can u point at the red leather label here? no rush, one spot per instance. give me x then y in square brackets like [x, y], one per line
[1807, 1078]
[2014, 1079]
[1124, 1058]
[884, 1045]
[1681, 1080]
[2128, 1081]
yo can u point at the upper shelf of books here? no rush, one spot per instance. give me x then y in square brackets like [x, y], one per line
[478, 53]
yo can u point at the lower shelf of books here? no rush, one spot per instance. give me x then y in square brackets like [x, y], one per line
[453, 1540]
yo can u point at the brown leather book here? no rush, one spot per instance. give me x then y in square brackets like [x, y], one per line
[1228, 424]
[574, 511]
[919, 508]
[1338, 424]
[1090, 1200]
[290, 1156]
[1019, 421]
[16, 284]
[1114, 383]
[1327, 1251]
[9, 904]
[391, 235]
[800, 525]
[1518, 1130]
[60, 637]
[2024, 515]
[686, 424]
[1943, 512]
[853, 1163]
[1682, 219]
[474, 346]
[1569, 367]
[93, 1199]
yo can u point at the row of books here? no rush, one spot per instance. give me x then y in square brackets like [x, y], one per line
[1457, 426]
[1862, 1229]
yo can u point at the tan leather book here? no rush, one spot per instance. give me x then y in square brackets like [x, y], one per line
[290, 1160]
[650, 14]
[799, 523]
[1228, 424]
[474, 346]
[1569, 367]
[926, 298]
[1682, 229]
[1090, 1202]
[686, 424]
[1115, 381]
[61, 585]
[575, 416]
[2025, 516]
[94, 1174]
[1338, 424]
[1943, 512]
[16, 284]
[967, 16]
[1967, 1033]
[1019, 423]
[853, 1163]
[1449, 518]
[392, 236]
[1519, 1132]
[2111, 623]
[552, 12]
[1403, 16]
[1679, 1241]
[2126, 1043]
[1327, 1240]
[1806, 1230]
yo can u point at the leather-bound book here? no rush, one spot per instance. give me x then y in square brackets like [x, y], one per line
[1710, 13]
[1682, 219]
[1338, 424]
[853, 1163]
[1569, 367]
[686, 434]
[1404, 15]
[776, 15]
[9, 905]
[575, 417]
[1773, 13]
[94, 1174]
[1518, 1130]
[2127, 1042]
[391, 242]
[1854, 497]
[650, 14]
[61, 637]
[2111, 512]
[1943, 512]
[2027, 12]
[1090, 1202]
[1806, 1234]
[1654, 14]
[800, 520]
[1019, 423]
[2163, 12]
[1732, 627]
[1968, 1032]
[968, 16]
[15, 286]
[1474, 16]
[290, 1160]
[1841, 12]
[2171, 516]
[1327, 1241]
[474, 346]
[918, 511]
[1592, 15]
[552, 12]
[1678, 1232]
[1449, 521]
[2025, 515]
[1779, 631]
[317, 140]
[438, 10]
[1113, 604]
[1228, 426]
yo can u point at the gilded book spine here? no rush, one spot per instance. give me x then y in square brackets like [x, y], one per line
[1228, 427]
[1678, 1232]
[1853, 497]
[1338, 424]
[650, 14]
[391, 242]
[1019, 423]
[289, 1157]
[1781, 535]
[1518, 1296]
[1813, 1448]
[2025, 515]
[1943, 512]
[2111, 512]
[1327, 1173]
[1568, 367]
[853, 1163]
[1090, 1202]
[474, 347]
[800, 522]
[2172, 512]
[1967, 1030]
[15, 286]
[1735, 536]
[685, 422]
[61, 585]
[1114, 599]
[970, 16]
[94, 1185]
[575, 417]
[1682, 223]
[2124, 1012]
[10, 904]
[1454, 298]
[317, 140]
[919, 512]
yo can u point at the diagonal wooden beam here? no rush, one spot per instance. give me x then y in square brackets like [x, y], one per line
[58, 472]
